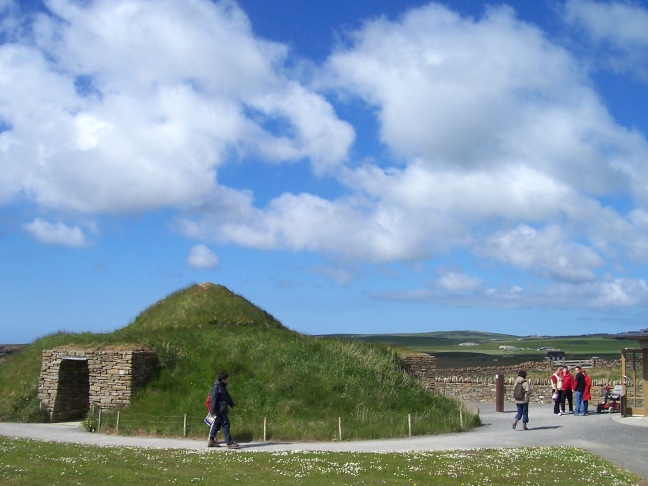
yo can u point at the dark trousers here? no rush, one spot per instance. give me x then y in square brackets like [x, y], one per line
[221, 422]
[560, 401]
[569, 395]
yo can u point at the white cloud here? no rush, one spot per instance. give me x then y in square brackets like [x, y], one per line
[497, 143]
[547, 251]
[618, 30]
[200, 256]
[622, 293]
[56, 233]
[458, 282]
[102, 122]
[622, 23]
[607, 294]
[466, 95]
[358, 228]
[494, 127]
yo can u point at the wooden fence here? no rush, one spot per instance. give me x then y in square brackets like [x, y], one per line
[571, 363]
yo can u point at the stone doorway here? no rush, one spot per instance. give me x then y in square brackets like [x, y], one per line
[73, 392]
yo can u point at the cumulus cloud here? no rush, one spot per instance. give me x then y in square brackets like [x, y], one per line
[544, 251]
[492, 127]
[176, 89]
[466, 95]
[356, 228]
[56, 233]
[618, 30]
[458, 282]
[622, 23]
[497, 145]
[200, 256]
[606, 294]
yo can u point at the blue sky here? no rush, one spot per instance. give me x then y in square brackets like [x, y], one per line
[350, 167]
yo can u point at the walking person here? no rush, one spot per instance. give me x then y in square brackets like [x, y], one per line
[579, 388]
[568, 387]
[220, 401]
[587, 394]
[521, 392]
[557, 389]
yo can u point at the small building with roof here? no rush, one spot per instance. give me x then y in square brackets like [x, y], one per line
[555, 355]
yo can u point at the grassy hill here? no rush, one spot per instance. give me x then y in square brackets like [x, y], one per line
[302, 385]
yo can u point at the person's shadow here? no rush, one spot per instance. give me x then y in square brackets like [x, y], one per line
[546, 427]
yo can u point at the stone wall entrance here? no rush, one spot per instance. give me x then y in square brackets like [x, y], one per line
[73, 390]
[74, 378]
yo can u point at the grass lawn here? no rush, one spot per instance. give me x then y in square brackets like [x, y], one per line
[31, 462]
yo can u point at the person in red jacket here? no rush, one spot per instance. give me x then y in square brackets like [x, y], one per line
[568, 390]
[587, 395]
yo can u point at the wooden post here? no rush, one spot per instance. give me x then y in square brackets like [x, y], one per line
[461, 419]
[409, 423]
[117, 426]
[265, 428]
[499, 393]
[340, 426]
[184, 426]
[99, 421]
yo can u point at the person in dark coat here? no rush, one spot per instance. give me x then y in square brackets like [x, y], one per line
[219, 403]
[579, 389]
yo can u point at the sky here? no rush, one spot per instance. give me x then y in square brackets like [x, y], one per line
[365, 167]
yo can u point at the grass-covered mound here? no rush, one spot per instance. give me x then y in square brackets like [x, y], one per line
[302, 386]
[202, 306]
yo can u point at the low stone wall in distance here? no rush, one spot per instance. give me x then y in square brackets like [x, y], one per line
[474, 389]
[478, 384]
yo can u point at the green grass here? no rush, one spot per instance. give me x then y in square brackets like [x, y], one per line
[302, 386]
[30, 462]
[446, 346]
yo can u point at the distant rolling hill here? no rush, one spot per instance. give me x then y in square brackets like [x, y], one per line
[455, 349]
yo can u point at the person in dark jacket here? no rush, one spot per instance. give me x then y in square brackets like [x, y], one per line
[219, 403]
[579, 389]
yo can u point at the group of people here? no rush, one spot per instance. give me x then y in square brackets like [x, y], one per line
[219, 403]
[575, 390]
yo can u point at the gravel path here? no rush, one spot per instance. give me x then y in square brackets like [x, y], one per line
[622, 441]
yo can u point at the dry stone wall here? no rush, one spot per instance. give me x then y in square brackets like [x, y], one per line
[422, 366]
[478, 384]
[74, 378]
